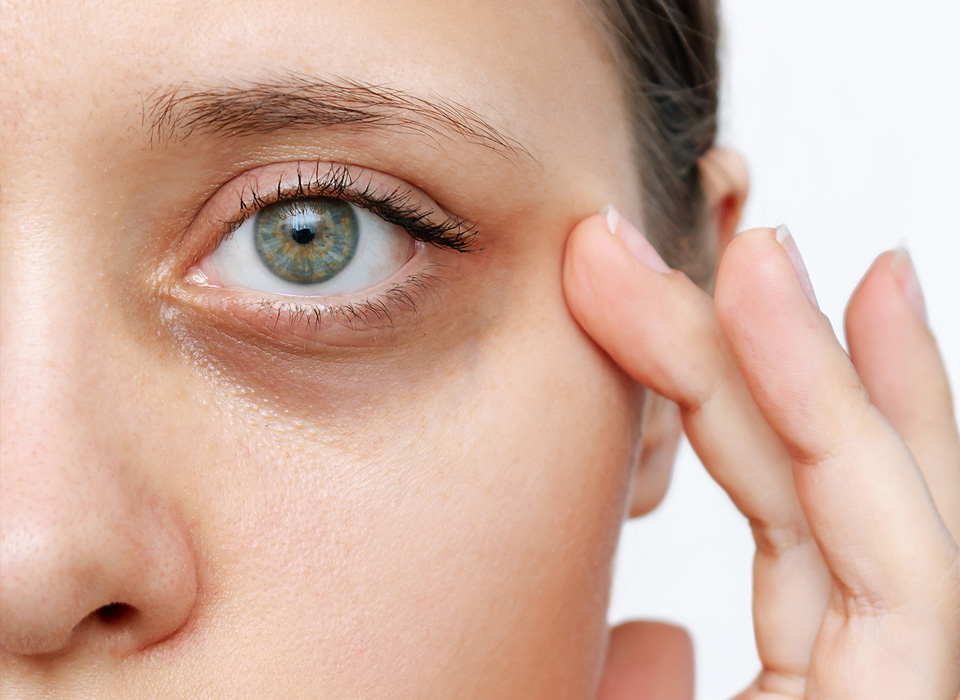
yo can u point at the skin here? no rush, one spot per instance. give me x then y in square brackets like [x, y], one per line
[851, 489]
[287, 511]
[295, 513]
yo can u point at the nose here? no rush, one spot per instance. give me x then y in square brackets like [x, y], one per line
[93, 556]
[91, 568]
[86, 559]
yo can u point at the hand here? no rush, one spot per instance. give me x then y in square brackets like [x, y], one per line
[847, 468]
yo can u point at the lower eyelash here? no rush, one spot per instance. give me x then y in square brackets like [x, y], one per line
[378, 313]
[300, 322]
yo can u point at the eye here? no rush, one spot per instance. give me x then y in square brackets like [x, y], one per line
[319, 251]
[310, 246]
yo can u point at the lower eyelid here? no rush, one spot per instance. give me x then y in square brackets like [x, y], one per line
[301, 324]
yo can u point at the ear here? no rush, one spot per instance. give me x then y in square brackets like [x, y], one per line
[661, 430]
[726, 184]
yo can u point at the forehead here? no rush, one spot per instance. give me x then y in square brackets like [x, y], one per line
[523, 64]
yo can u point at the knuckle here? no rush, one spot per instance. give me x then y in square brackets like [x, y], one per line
[711, 368]
[776, 541]
[836, 435]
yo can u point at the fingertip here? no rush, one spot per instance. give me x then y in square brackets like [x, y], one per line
[755, 233]
[886, 310]
[750, 277]
[648, 661]
[582, 243]
[784, 345]
[906, 272]
[888, 293]
[606, 272]
[610, 235]
[743, 250]
[893, 350]
[874, 292]
[641, 636]
[658, 326]
[591, 256]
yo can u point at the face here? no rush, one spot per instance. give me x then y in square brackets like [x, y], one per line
[292, 404]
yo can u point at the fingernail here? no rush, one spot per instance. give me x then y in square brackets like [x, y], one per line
[785, 239]
[633, 240]
[907, 272]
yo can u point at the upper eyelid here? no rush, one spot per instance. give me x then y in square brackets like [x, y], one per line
[339, 182]
[240, 197]
[371, 311]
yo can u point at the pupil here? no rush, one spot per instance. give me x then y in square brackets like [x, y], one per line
[303, 235]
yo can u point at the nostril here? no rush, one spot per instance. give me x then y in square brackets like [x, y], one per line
[102, 573]
[114, 613]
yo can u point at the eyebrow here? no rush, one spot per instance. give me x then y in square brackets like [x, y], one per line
[295, 101]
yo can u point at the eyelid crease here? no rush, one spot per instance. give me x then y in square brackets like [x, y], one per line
[320, 320]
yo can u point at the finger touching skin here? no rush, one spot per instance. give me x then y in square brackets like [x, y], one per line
[662, 330]
[856, 580]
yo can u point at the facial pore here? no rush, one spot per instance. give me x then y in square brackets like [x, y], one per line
[406, 487]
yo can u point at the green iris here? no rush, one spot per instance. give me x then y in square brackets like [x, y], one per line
[306, 240]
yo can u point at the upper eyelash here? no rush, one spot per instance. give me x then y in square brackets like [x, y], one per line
[394, 207]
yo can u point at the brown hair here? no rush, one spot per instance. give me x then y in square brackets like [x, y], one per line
[667, 50]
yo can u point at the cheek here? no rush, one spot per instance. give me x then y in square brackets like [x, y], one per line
[469, 519]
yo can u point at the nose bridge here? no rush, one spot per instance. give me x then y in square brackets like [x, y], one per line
[57, 463]
[47, 353]
[59, 468]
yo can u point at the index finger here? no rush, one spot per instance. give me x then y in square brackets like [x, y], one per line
[663, 331]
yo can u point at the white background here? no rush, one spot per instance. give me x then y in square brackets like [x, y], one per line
[848, 114]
